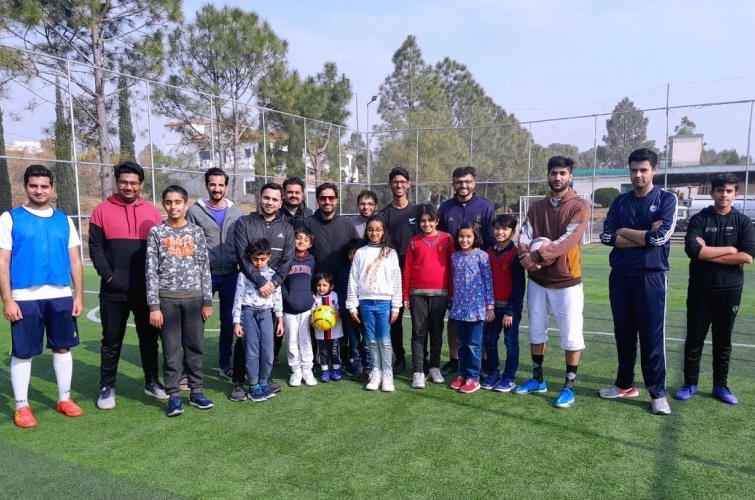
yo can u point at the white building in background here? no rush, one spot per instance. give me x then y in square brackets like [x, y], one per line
[33, 147]
[686, 150]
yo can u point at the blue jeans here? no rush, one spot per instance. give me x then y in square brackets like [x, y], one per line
[358, 353]
[510, 341]
[225, 286]
[469, 337]
[376, 318]
[258, 343]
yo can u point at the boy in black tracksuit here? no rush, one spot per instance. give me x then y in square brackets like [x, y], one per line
[719, 241]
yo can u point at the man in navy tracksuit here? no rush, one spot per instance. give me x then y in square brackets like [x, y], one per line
[639, 226]
[719, 241]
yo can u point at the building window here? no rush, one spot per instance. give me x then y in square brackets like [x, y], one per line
[248, 186]
[204, 155]
[248, 152]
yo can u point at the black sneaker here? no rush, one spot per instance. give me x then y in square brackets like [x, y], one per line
[399, 365]
[273, 386]
[238, 394]
[363, 376]
[452, 366]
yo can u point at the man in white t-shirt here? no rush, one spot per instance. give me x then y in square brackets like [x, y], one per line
[39, 258]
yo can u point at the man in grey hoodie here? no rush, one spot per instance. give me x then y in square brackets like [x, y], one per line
[217, 217]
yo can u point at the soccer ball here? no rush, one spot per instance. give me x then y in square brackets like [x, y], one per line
[538, 243]
[324, 318]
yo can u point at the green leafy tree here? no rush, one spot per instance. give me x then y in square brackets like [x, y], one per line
[6, 195]
[125, 126]
[605, 196]
[103, 35]
[65, 176]
[626, 130]
[685, 127]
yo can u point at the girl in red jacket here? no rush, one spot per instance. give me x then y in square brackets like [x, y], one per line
[426, 280]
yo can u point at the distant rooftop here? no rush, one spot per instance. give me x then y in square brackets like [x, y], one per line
[696, 169]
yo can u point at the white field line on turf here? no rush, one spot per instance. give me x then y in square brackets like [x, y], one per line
[92, 316]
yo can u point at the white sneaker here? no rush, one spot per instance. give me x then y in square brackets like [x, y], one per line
[374, 383]
[295, 380]
[436, 376]
[309, 377]
[660, 406]
[418, 380]
[388, 381]
[106, 401]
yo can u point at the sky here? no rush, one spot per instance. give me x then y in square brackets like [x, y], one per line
[542, 59]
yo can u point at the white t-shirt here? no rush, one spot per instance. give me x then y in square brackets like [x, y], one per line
[6, 243]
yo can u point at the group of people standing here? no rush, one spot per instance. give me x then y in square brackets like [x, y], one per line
[272, 268]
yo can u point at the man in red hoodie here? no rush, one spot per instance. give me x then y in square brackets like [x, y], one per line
[118, 232]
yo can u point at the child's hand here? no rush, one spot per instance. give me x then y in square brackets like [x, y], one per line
[394, 317]
[406, 304]
[355, 316]
[490, 315]
[338, 315]
[206, 312]
[156, 319]
[238, 330]
[278, 327]
[507, 320]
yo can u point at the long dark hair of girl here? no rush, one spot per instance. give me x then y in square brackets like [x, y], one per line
[385, 243]
[476, 243]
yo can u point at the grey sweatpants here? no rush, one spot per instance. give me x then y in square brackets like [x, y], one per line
[182, 334]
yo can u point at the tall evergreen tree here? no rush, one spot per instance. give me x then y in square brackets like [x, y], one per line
[6, 195]
[125, 126]
[65, 176]
[626, 130]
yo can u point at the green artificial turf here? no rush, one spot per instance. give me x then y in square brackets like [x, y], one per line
[337, 440]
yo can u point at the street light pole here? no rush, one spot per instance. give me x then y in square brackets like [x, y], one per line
[369, 166]
[356, 100]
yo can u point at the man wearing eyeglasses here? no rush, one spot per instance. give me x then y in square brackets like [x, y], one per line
[118, 231]
[366, 204]
[465, 206]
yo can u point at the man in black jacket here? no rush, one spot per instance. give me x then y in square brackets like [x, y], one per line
[719, 241]
[265, 223]
[294, 209]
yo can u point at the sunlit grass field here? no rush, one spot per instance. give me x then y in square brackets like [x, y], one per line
[337, 440]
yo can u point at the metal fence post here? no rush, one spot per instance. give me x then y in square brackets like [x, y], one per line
[471, 141]
[594, 173]
[416, 172]
[340, 171]
[74, 156]
[212, 133]
[529, 159]
[151, 143]
[747, 165]
[665, 167]
[264, 149]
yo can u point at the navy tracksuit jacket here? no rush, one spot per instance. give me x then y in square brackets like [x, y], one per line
[637, 286]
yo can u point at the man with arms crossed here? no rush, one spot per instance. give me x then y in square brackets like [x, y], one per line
[639, 226]
[39, 258]
[719, 241]
[555, 276]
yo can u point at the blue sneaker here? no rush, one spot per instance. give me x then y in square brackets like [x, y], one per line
[200, 401]
[530, 386]
[686, 392]
[490, 381]
[175, 406]
[325, 377]
[256, 394]
[724, 394]
[335, 375]
[267, 391]
[505, 384]
[565, 399]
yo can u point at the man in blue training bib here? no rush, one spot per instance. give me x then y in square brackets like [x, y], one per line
[39, 258]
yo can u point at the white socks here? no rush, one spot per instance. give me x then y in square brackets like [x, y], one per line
[20, 375]
[63, 365]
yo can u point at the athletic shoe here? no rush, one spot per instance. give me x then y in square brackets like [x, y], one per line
[452, 366]
[198, 400]
[457, 383]
[267, 391]
[238, 394]
[418, 380]
[183, 384]
[275, 387]
[175, 406]
[436, 377]
[24, 418]
[226, 374]
[531, 386]
[69, 408]
[614, 392]
[388, 381]
[156, 390]
[686, 392]
[565, 398]
[660, 406]
[325, 377]
[505, 384]
[469, 386]
[490, 381]
[308, 377]
[256, 394]
[106, 401]
[374, 383]
[349, 370]
[335, 375]
[363, 376]
[295, 380]
[400, 364]
[724, 394]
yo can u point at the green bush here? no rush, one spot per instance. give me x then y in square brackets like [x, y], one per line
[604, 196]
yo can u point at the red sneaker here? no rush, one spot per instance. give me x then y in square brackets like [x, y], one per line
[69, 408]
[24, 418]
[470, 386]
[456, 384]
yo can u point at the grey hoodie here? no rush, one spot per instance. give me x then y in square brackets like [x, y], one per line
[219, 245]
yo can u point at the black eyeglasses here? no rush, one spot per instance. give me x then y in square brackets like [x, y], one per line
[328, 198]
